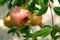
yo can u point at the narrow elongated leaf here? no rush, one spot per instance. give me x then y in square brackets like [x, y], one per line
[56, 37]
[57, 28]
[34, 38]
[17, 33]
[36, 1]
[47, 26]
[51, 1]
[59, 1]
[57, 10]
[13, 30]
[25, 30]
[46, 1]
[28, 34]
[42, 3]
[20, 2]
[42, 11]
[43, 32]
[1, 1]
[53, 33]
[32, 7]
[10, 4]
[48, 32]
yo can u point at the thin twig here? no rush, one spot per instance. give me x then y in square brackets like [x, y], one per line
[51, 14]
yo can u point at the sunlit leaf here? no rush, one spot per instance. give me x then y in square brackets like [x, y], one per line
[47, 26]
[57, 28]
[57, 10]
[42, 3]
[43, 32]
[1, 1]
[42, 11]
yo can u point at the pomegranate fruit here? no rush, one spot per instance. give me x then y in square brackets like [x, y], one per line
[35, 20]
[7, 22]
[20, 17]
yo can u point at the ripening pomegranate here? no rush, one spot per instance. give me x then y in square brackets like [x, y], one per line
[7, 22]
[20, 17]
[35, 20]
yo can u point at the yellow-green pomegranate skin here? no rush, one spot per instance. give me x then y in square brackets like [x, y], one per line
[35, 20]
[7, 22]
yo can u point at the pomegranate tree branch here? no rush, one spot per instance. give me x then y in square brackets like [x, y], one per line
[51, 14]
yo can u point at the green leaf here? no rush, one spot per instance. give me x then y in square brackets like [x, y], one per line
[36, 1]
[44, 35]
[20, 2]
[51, 1]
[34, 38]
[18, 34]
[42, 3]
[3, 1]
[12, 30]
[56, 37]
[10, 4]
[42, 11]
[59, 1]
[47, 26]
[32, 7]
[25, 30]
[43, 32]
[57, 10]
[53, 33]
[17, 3]
[57, 28]
[28, 34]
